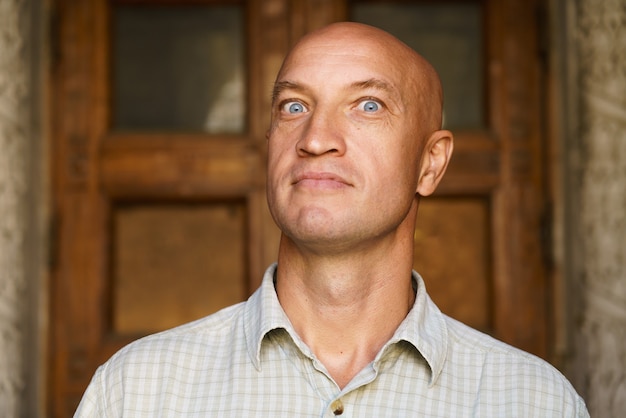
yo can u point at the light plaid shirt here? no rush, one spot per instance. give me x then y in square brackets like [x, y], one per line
[247, 361]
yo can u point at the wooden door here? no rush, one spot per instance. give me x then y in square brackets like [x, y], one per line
[480, 239]
[158, 172]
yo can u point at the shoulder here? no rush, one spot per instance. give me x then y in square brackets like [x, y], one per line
[165, 365]
[507, 373]
[208, 336]
[493, 354]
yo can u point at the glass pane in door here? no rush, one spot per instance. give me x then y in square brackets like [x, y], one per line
[450, 36]
[178, 68]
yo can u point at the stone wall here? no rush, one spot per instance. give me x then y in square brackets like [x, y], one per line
[22, 207]
[599, 206]
[13, 145]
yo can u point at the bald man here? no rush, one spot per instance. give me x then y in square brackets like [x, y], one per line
[341, 325]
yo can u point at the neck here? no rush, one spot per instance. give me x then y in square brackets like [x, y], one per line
[345, 307]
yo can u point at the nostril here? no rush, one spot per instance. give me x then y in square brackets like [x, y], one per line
[320, 135]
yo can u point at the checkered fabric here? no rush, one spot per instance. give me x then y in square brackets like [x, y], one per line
[247, 361]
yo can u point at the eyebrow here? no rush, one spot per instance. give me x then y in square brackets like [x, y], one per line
[372, 83]
[281, 86]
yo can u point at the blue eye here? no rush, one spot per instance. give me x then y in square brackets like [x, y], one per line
[370, 106]
[294, 107]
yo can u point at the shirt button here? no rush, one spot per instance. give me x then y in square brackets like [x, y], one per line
[337, 407]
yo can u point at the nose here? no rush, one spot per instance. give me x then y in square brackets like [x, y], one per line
[322, 135]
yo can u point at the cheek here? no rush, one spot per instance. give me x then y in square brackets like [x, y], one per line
[400, 168]
[278, 163]
[273, 171]
[281, 140]
[395, 151]
[275, 148]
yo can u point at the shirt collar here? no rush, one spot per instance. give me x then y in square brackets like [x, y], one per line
[263, 314]
[424, 327]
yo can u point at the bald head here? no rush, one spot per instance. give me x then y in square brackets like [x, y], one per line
[420, 84]
[354, 139]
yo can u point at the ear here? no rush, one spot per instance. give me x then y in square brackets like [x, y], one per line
[435, 159]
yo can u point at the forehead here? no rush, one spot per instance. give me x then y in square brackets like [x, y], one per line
[348, 60]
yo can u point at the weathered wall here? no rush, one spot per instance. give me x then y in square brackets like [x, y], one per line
[13, 149]
[22, 210]
[599, 207]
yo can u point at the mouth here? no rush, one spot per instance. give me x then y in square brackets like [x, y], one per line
[320, 180]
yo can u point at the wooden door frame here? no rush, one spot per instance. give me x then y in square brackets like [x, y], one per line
[520, 277]
[498, 164]
[89, 165]
[84, 166]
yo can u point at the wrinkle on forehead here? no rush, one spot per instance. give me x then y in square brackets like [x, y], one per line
[420, 82]
[370, 83]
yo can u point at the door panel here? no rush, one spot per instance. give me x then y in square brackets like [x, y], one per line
[452, 254]
[158, 174]
[173, 263]
[158, 166]
[452, 238]
[486, 53]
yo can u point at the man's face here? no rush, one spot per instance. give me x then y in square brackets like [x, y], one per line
[344, 143]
